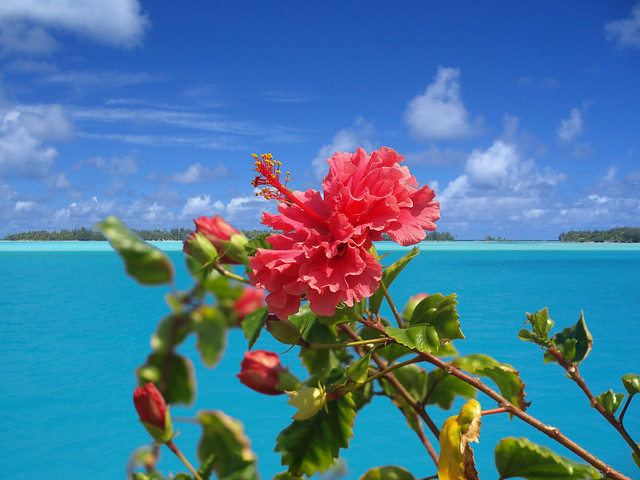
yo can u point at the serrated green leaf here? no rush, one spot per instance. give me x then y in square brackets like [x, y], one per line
[223, 438]
[180, 381]
[582, 337]
[143, 262]
[439, 312]
[389, 275]
[521, 458]
[312, 445]
[345, 314]
[631, 383]
[503, 375]
[253, 324]
[444, 388]
[540, 323]
[211, 329]
[423, 338]
[390, 472]
[390, 352]
[610, 400]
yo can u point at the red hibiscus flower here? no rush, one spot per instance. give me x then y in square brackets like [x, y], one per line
[323, 253]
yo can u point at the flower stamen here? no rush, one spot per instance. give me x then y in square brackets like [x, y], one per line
[269, 174]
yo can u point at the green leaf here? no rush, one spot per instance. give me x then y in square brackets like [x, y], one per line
[439, 312]
[253, 324]
[610, 401]
[414, 380]
[540, 323]
[423, 338]
[631, 383]
[345, 314]
[318, 362]
[390, 472]
[180, 381]
[527, 335]
[503, 375]
[171, 332]
[285, 476]
[521, 458]
[223, 438]
[211, 329]
[312, 445]
[144, 262]
[578, 333]
[359, 370]
[444, 388]
[389, 275]
[390, 352]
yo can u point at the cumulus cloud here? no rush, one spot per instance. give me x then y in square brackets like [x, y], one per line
[241, 212]
[572, 127]
[23, 131]
[439, 113]
[26, 26]
[625, 32]
[346, 140]
[498, 184]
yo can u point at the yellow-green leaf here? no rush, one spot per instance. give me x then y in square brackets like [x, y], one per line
[456, 456]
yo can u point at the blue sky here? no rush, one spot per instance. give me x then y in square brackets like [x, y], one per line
[524, 117]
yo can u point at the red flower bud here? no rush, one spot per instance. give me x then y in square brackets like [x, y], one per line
[250, 300]
[153, 412]
[260, 371]
[217, 231]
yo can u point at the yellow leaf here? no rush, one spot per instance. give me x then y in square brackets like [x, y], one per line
[456, 456]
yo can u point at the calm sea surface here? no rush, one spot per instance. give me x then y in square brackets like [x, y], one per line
[73, 327]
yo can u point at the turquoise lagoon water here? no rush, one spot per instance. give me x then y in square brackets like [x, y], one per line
[73, 327]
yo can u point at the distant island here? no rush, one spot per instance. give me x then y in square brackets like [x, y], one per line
[615, 235]
[86, 234]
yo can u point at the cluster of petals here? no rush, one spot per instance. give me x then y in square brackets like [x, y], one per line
[323, 254]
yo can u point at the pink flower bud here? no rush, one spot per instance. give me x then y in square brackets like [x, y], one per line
[217, 231]
[250, 300]
[153, 412]
[260, 371]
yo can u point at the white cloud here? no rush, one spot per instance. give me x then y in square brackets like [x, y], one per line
[439, 113]
[22, 133]
[115, 166]
[436, 157]
[498, 185]
[24, 206]
[572, 127]
[25, 24]
[201, 206]
[625, 32]
[346, 140]
[196, 173]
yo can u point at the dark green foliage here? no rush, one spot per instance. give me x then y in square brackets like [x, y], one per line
[312, 445]
[521, 458]
[615, 235]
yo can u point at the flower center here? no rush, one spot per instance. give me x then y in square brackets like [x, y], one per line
[269, 174]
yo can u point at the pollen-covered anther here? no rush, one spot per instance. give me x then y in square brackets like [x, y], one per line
[269, 174]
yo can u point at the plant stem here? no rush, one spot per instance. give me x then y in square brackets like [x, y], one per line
[415, 405]
[228, 274]
[574, 373]
[385, 292]
[358, 343]
[550, 431]
[176, 450]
